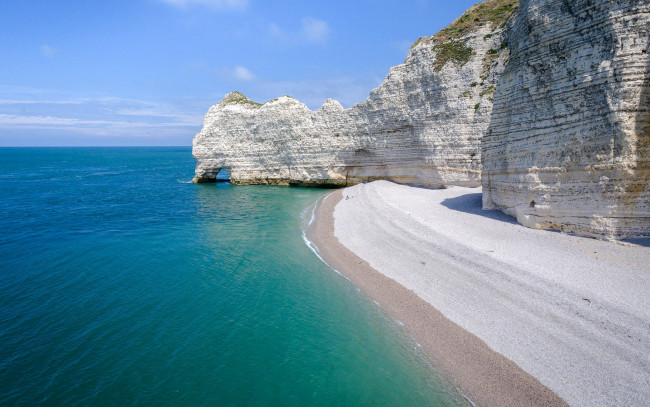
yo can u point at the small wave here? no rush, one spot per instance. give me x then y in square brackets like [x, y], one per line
[310, 244]
[314, 249]
[180, 181]
[107, 172]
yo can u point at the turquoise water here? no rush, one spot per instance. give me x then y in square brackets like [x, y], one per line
[121, 284]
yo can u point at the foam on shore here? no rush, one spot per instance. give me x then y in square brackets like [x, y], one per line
[513, 316]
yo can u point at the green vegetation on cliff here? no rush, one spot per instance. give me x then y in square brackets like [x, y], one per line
[452, 51]
[417, 42]
[448, 44]
[238, 98]
[496, 12]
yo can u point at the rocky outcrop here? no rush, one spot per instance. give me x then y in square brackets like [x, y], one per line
[568, 146]
[422, 126]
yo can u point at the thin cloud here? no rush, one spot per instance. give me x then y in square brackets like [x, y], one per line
[22, 92]
[275, 30]
[97, 117]
[39, 102]
[312, 31]
[9, 120]
[111, 106]
[243, 74]
[189, 119]
[30, 116]
[215, 4]
[128, 108]
[315, 30]
[14, 120]
[48, 51]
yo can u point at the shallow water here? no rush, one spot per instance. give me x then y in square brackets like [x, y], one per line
[122, 284]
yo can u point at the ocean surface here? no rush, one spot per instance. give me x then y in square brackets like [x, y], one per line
[121, 284]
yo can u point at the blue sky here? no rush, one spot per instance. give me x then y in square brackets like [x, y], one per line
[144, 72]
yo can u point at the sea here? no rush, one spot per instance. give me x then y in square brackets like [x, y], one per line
[122, 284]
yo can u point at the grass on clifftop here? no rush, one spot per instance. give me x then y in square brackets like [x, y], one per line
[417, 42]
[238, 98]
[495, 11]
[449, 47]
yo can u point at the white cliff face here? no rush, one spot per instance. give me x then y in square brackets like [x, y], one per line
[422, 126]
[568, 145]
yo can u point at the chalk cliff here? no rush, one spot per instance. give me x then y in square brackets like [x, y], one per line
[421, 126]
[565, 145]
[568, 146]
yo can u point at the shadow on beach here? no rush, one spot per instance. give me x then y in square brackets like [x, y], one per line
[472, 204]
[639, 241]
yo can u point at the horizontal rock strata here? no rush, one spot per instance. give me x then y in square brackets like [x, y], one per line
[421, 126]
[568, 146]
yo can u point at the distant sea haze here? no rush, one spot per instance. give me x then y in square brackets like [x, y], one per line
[123, 285]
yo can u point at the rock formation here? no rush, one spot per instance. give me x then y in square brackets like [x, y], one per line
[568, 146]
[421, 126]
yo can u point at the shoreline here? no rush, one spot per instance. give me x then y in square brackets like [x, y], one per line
[486, 377]
[509, 315]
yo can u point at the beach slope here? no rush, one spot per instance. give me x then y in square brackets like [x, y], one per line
[512, 315]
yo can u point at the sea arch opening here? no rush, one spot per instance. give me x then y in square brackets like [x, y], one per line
[223, 175]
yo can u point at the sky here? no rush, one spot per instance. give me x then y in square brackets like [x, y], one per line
[144, 72]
